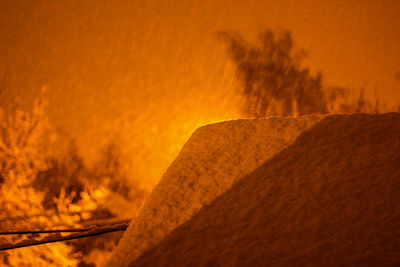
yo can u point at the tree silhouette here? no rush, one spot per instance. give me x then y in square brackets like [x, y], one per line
[274, 80]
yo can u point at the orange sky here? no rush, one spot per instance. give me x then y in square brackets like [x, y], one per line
[135, 69]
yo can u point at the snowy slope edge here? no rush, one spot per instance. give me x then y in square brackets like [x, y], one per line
[216, 156]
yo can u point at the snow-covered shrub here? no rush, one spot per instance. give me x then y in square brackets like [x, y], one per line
[37, 192]
[21, 205]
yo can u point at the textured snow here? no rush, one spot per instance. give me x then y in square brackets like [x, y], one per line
[332, 198]
[214, 158]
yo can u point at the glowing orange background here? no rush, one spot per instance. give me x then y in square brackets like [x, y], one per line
[147, 73]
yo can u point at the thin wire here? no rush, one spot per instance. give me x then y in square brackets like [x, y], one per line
[26, 232]
[57, 237]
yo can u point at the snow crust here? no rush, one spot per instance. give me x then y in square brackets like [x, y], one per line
[213, 159]
[332, 198]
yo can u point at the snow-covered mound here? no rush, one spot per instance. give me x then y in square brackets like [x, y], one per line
[332, 198]
[215, 157]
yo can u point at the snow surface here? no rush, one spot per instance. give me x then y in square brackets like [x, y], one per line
[332, 198]
[214, 158]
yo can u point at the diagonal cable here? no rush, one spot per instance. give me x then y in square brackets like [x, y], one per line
[57, 237]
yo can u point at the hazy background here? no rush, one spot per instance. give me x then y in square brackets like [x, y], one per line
[147, 73]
